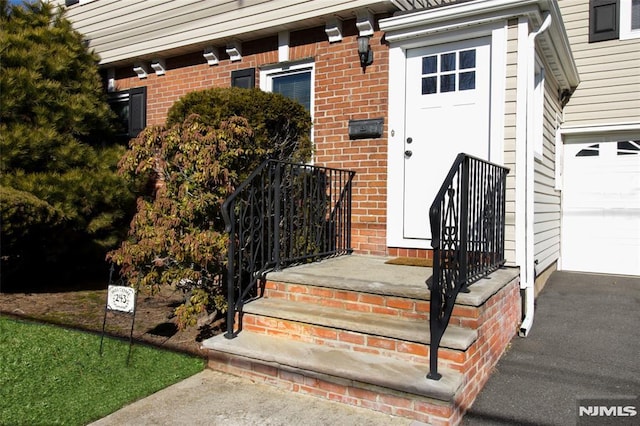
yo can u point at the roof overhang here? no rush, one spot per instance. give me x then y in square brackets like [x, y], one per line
[554, 43]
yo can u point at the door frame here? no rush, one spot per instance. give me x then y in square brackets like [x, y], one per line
[497, 32]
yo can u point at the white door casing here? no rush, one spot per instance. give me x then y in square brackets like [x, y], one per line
[447, 112]
[601, 208]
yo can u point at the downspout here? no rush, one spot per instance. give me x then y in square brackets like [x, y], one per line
[530, 274]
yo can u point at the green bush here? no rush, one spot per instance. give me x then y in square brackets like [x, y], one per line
[281, 127]
[195, 162]
[59, 156]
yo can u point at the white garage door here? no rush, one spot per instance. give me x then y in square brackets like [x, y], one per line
[601, 208]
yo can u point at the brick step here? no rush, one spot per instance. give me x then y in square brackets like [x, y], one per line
[359, 331]
[371, 381]
[368, 284]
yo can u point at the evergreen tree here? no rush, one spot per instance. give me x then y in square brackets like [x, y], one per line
[62, 203]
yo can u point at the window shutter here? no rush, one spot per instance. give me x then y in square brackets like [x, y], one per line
[137, 110]
[71, 2]
[245, 79]
[604, 18]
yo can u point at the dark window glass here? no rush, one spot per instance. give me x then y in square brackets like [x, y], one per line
[429, 64]
[245, 79]
[448, 62]
[591, 151]
[447, 83]
[468, 59]
[628, 148]
[468, 80]
[635, 15]
[130, 107]
[429, 85]
[295, 86]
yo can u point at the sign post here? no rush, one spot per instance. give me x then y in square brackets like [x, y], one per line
[120, 299]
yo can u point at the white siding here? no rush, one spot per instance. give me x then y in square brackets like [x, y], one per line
[546, 226]
[510, 141]
[121, 30]
[609, 91]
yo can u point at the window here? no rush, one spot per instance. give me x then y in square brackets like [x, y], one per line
[295, 82]
[629, 148]
[590, 151]
[613, 19]
[131, 108]
[245, 79]
[629, 19]
[449, 72]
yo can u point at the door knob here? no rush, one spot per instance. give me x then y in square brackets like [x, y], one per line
[409, 140]
[408, 153]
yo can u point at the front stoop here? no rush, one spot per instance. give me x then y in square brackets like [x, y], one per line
[355, 330]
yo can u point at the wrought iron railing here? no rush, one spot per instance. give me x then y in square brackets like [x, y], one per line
[467, 230]
[283, 214]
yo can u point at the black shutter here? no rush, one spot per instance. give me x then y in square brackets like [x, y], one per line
[137, 110]
[245, 79]
[604, 20]
[70, 2]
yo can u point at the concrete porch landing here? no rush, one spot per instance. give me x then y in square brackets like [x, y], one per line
[371, 274]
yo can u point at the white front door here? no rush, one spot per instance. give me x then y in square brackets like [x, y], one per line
[447, 112]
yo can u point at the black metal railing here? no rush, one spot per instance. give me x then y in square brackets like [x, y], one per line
[467, 230]
[283, 214]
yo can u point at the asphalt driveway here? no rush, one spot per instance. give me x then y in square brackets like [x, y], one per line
[585, 343]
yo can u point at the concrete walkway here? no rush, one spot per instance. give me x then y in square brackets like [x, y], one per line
[585, 343]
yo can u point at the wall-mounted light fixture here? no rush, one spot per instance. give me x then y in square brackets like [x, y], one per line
[364, 51]
[158, 66]
[140, 70]
[211, 55]
[234, 50]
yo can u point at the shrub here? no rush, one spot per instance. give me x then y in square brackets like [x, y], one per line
[281, 127]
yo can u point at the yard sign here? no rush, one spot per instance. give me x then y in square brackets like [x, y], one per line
[121, 299]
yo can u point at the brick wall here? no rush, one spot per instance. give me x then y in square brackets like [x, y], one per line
[343, 91]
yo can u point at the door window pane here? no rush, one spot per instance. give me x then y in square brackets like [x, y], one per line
[448, 62]
[429, 64]
[468, 59]
[468, 80]
[429, 85]
[447, 83]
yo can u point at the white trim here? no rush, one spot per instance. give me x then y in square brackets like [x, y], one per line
[498, 80]
[626, 32]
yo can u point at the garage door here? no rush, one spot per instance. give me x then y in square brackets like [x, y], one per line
[601, 208]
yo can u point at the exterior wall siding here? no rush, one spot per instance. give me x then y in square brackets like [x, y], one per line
[609, 70]
[546, 198]
[510, 141]
[122, 30]
[343, 91]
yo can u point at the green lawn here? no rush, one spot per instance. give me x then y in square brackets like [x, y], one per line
[51, 375]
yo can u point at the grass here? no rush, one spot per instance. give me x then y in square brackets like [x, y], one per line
[52, 375]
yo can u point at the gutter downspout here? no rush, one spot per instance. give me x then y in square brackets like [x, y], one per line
[530, 275]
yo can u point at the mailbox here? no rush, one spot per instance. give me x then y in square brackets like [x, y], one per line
[366, 129]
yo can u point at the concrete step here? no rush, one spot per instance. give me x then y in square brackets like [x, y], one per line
[342, 367]
[364, 324]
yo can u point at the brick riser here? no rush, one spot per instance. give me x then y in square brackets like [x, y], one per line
[401, 307]
[327, 336]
